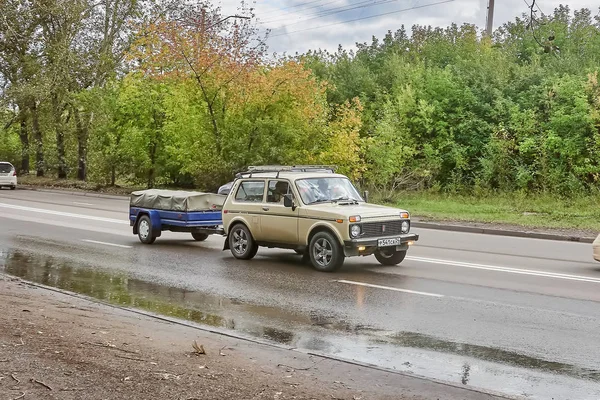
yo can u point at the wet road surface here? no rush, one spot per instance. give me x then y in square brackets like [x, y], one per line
[511, 315]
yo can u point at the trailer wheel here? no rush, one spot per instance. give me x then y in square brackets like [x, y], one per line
[199, 237]
[145, 230]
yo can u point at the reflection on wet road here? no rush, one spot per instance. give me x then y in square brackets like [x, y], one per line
[493, 313]
[428, 356]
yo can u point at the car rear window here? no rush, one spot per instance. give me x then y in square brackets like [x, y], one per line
[5, 168]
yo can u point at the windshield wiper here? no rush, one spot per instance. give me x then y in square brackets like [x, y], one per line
[319, 201]
[345, 198]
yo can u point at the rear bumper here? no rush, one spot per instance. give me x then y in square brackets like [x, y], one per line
[8, 181]
[373, 242]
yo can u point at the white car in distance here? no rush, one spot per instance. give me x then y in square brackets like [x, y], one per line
[8, 175]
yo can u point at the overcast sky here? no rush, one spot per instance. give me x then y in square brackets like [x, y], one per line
[300, 25]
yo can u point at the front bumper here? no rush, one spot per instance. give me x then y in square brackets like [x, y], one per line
[373, 242]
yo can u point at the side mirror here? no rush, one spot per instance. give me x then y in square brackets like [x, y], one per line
[366, 196]
[287, 201]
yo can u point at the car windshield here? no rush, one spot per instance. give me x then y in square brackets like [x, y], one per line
[320, 190]
[5, 168]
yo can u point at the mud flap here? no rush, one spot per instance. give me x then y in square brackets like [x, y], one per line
[226, 244]
[156, 223]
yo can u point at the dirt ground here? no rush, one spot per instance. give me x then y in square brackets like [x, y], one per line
[57, 346]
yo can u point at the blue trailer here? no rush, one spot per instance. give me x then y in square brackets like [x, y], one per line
[153, 211]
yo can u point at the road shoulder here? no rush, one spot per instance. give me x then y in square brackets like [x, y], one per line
[55, 343]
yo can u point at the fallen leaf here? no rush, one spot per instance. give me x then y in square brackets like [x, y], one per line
[199, 349]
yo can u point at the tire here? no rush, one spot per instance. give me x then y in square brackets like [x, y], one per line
[326, 254]
[241, 243]
[13, 187]
[199, 237]
[145, 230]
[392, 257]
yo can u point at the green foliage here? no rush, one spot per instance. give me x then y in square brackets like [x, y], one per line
[440, 109]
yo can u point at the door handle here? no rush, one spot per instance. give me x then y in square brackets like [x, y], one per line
[265, 208]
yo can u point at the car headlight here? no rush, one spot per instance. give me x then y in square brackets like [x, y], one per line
[355, 230]
[405, 226]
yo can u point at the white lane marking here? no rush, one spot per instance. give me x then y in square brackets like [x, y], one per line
[63, 214]
[486, 267]
[107, 244]
[390, 288]
[80, 225]
[82, 204]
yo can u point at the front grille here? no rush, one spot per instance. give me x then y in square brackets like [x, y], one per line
[386, 228]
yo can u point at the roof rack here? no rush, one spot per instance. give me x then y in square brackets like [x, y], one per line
[253, 169]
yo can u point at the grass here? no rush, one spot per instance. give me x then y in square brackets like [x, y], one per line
[75, 185]
[530, 211]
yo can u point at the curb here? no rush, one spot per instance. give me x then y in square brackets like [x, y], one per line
[73, 193]
[502, 232]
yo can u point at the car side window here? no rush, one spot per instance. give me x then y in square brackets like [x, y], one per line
[277, 189]
[250, 191]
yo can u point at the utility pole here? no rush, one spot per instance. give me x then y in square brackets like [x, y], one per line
[490, 17]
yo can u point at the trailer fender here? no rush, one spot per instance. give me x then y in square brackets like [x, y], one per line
[154, 219]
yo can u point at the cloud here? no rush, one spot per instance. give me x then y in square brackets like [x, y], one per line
[302, 25]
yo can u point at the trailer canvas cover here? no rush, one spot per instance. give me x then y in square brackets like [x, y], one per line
[176, 200]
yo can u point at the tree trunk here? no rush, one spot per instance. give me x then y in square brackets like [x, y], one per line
[37, 137]
[152, 171]
[60, 138]
[82, 136]
[24, 136]
[113, 175]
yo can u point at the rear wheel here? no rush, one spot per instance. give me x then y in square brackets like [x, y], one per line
[145, 230]
[241, 243]
[13, 187]
[326, 254]
[199, 237]
[390, 257]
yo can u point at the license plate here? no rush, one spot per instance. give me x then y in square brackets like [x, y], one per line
[389, 242]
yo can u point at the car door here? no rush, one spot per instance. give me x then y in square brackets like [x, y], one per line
[279, 223]
[247, 205]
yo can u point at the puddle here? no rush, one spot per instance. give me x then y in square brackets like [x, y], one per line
[464, 364]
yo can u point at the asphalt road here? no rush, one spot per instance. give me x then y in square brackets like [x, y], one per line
[511, 315]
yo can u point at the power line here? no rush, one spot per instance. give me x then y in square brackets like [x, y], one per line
[305, 9]
[337, 10]
[363, 18]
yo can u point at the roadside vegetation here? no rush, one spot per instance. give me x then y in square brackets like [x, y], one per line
[160, 94]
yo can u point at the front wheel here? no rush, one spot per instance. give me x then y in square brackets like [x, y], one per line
[326, 254]
[145, 230]
[241, 243]
[390, 257]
